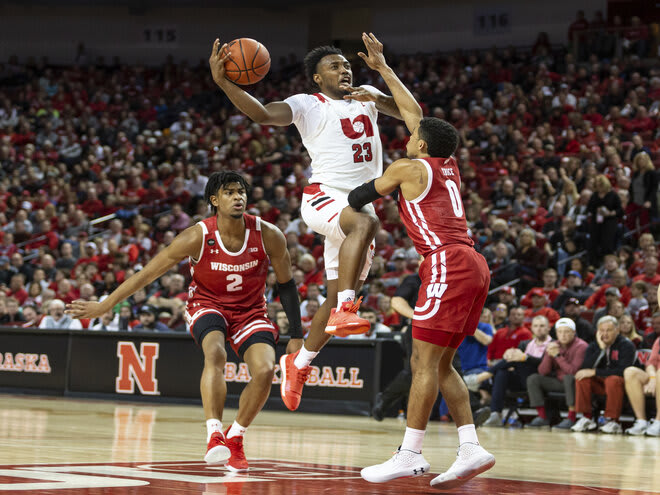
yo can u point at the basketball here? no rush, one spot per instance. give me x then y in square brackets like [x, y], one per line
[249, 61]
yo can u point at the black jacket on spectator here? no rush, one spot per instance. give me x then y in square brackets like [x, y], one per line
[408, 290]
[604, 233]
[523, 368]
[612, 361]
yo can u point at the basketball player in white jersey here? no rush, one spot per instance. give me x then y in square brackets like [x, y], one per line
[338, 128]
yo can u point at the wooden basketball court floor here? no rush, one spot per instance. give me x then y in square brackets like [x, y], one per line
[65, 446]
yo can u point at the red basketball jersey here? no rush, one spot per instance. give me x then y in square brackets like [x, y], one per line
[437, 217]
[222, 279]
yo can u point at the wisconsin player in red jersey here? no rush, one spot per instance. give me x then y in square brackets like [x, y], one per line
[455, 280]
[228, 254]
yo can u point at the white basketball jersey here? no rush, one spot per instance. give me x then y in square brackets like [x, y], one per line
[341, 137]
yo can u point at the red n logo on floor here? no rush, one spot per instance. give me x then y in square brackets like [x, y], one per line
[134, 367]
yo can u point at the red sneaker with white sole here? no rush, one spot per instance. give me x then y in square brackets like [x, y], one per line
[293, 381]
[237, 462]
[217, 451]
[346, 321]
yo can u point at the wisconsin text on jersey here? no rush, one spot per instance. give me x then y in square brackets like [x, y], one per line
[224, 267]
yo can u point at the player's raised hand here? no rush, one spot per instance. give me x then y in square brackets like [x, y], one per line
[85, 309]
[217, 61]
[360, 94]
[374, 57]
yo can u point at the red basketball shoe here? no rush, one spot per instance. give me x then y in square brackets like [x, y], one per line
[237, 462]
[293, 380]
[217, 451]
[346, 321]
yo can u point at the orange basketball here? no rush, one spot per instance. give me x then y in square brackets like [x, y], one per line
[248, 63]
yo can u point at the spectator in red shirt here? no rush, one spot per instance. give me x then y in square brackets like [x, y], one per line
[400, 140]
[88, 254]
[311, 307]
[539, 307]
[549, 288]
[650, 274]
[387, 315]
[178, 192]
[92, 206]
[307, 264]
[383, 247]
[619, 280]
[66, 291]
[510, 336]
[267, 211]
[17, 288]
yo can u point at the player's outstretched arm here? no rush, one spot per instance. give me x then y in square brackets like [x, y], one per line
[187, 243]
[275, 245]
[411, 112]
[406, 174]
[275, 113]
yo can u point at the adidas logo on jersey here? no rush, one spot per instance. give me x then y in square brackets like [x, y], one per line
[254, 250]
[447, 171]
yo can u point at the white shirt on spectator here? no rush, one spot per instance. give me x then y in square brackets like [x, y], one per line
[196, 187]
[64, 323]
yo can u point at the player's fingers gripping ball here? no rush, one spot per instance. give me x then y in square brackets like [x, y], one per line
[248, 62]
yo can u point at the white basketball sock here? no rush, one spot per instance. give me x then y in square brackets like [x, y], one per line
[343, 296]
[304, 357]
[236, 430]
[467, 433]
[212, 425]
[413, 439]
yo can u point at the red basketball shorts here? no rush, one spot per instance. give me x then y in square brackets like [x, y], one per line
[455, 281]
[237, 325]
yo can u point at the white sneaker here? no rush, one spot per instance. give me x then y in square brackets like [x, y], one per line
[654, 429]
[612, 427]
[584, 424]
[403, 464]
[471, 459]
[638, 428]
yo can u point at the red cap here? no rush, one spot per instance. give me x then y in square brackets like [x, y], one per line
[509, 290]
[537, 291]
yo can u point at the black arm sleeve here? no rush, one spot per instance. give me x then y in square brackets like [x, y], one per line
[361, 195]
[291, 306]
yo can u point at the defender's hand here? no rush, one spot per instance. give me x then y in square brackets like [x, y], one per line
[374, 58]
[361, 94]
[85, 309]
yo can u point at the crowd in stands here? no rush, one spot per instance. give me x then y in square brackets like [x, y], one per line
[102, 165]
